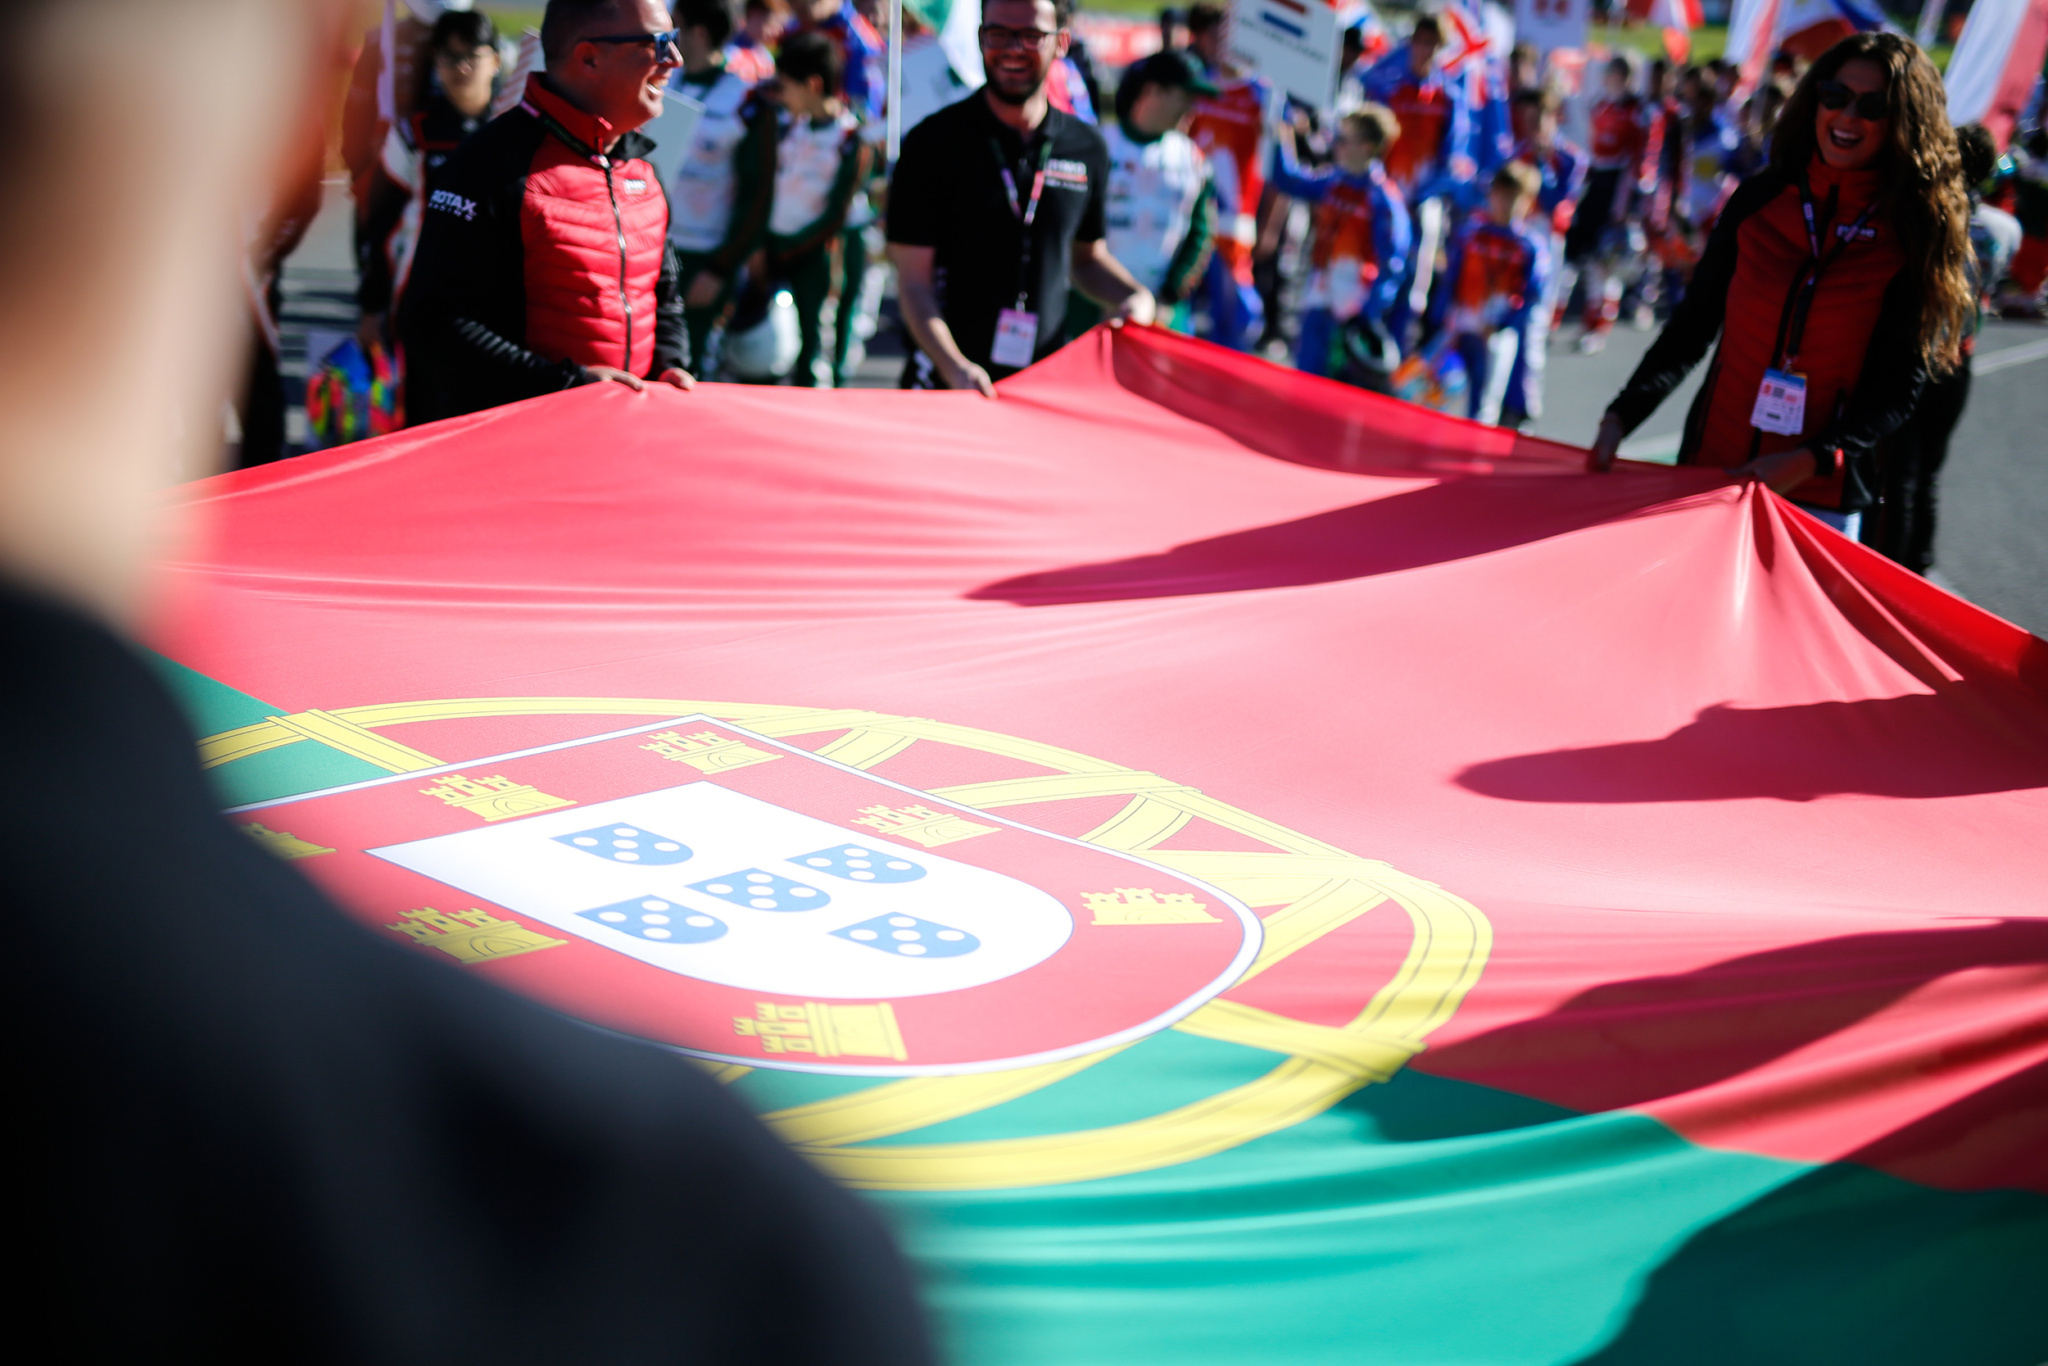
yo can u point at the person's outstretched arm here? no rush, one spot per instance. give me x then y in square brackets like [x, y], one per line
[1693, 326]
[1104, 279]
[1289, 177]
[918, 297]
[1097, 273]
[921, 198]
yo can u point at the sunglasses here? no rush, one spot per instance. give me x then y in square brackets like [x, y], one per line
[1872, 105]
[663, 42]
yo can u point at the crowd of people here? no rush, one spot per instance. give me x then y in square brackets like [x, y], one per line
[1455, 214]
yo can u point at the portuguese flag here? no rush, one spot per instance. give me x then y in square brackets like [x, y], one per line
[1243, 871]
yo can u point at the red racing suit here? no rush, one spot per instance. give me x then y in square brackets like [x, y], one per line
[539, 257]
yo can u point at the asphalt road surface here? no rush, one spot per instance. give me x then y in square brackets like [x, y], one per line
[1992, 543]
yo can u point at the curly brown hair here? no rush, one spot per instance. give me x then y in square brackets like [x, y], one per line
[1922, 195]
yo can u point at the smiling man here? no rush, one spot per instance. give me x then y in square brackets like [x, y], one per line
[996, 204]
[544, 260]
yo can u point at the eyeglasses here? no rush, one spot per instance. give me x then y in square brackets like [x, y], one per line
[996, 38]
[663, 42]
[1871, 104]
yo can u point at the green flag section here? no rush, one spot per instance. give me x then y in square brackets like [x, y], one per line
[1379, 1233]
[1239, 870]
[215, 709]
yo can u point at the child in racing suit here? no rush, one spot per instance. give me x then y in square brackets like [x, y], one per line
[1621, 122]
[1493, 282]
[821, 164]
[1358, 256]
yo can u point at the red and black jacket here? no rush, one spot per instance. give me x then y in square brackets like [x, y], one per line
[1859, 351]
[538, 257]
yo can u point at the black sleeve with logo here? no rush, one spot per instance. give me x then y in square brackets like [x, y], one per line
[464, 313]
[948, 194]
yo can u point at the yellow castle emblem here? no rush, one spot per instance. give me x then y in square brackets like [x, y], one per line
[496, 798]
[283, 843]
[824, 1031]
[1143, 906]
[921, 824]
[471, 936]
[707, 751]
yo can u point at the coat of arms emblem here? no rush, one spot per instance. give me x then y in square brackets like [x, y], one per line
[718, 891]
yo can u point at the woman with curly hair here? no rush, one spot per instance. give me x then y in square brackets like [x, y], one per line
[1836, 280]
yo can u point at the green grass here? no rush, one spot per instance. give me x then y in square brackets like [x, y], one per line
[513, 20]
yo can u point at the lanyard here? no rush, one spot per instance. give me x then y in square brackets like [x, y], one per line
[1794, 327]
[1026, 211]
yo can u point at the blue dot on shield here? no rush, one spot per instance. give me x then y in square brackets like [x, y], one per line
[657, 919]
[623, 843]
[858, 863]
[760, 891]
[907, 936]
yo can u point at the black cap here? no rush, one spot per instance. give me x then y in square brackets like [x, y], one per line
[1174, 70]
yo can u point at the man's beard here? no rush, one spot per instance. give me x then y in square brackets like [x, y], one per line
[995, 88]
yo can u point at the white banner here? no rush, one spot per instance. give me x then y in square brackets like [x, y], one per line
[1548, 24]
[1977, 67]
[1996, 62]
[1752, 32]
[1295, 44]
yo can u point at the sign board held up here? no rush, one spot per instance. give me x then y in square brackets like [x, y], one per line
[1295, 44]
[1550, 24]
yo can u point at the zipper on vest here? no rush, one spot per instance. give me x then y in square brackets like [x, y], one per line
[619, 223]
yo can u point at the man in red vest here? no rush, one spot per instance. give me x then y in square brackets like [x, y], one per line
[544, 260]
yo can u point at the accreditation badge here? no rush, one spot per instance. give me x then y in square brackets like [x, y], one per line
[1016, 338]
[1780, 403]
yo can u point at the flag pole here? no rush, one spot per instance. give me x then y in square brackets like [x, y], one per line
[387, 76]
[895, 111]
[1929, 27]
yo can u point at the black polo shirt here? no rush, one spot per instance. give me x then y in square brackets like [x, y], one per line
[948, 194]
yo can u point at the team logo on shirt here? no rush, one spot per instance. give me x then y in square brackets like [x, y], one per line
[947, 919]
[1072, 175]
[447, 201]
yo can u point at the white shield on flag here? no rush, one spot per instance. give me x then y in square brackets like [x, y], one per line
[746, 900]
[962, 926]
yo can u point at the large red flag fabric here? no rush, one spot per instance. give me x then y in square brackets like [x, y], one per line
[1245, 870]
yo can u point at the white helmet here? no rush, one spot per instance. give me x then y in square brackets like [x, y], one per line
[765, 351]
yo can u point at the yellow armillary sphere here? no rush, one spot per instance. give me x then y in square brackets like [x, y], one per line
[1304, 888]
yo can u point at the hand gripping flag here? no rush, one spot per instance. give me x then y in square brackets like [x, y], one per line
[1292, 877]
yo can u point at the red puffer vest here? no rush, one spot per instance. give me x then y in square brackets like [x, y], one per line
[594, 230]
